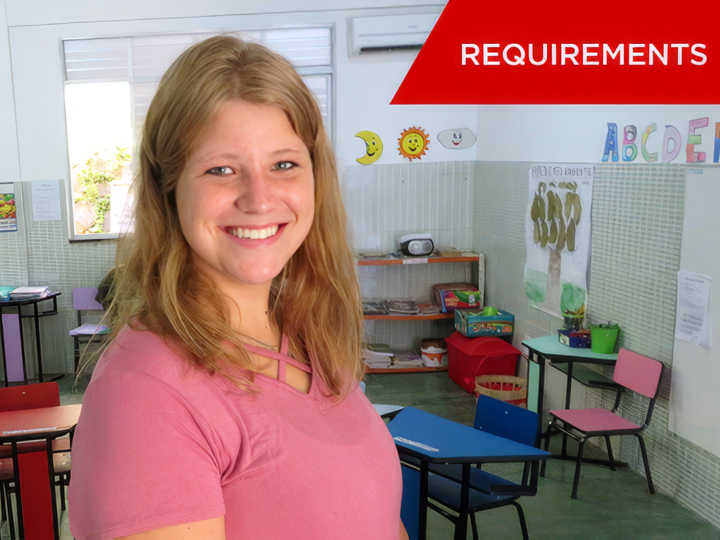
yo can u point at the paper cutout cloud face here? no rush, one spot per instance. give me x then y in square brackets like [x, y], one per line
[373, 147]
[413, 143]
[457, 139]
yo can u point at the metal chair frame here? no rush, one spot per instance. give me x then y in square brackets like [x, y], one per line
[582, 436]
[488, 491]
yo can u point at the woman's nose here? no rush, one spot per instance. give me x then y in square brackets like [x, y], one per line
[256, 194]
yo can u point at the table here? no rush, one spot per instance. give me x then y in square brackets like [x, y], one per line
[432, 439]
[549, 349]
[36, 507]
[13, 373]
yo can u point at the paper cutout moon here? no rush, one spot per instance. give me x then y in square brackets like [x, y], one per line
[373, 147]
[457, 139]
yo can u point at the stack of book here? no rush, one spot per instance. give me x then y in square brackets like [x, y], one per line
[402, 307]
[378, 356]
[407, 359]
[374, 308]
[22, 293]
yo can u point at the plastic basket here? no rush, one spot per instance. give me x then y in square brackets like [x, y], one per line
[503, 387]
[604, 338]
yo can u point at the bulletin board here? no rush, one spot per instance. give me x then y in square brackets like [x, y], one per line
[695, 389]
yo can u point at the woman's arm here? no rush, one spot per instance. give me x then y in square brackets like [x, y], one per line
[208, 529]
[403, 532]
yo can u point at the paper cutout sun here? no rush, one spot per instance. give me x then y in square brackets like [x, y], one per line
[413, 143]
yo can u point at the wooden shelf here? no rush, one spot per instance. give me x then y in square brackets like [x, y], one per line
[407, 370]
[409, 317]
[417, 260]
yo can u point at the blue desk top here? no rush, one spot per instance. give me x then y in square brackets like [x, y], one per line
[437, 440]
[550, 347]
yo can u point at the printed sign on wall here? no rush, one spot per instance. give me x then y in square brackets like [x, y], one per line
[8, 208]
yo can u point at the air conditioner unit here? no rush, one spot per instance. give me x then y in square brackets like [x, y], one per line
[390, 32]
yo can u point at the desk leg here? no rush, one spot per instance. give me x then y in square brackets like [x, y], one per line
[36, 318]
[568, 389]
[36, 495]
[541, 390]
[2, 349]
[422, 518]
[461, 525]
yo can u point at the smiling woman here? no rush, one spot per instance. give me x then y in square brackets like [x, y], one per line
[237, 328]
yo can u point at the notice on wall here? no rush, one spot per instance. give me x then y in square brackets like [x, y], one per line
[46, 200]
[557, 237]
[692, 321]
[8, 208]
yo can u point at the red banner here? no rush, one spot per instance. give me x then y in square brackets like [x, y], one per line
[569, 52]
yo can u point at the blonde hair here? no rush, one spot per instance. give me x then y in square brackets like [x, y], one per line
[315, 299]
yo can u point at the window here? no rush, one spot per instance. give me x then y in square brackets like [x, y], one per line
[110, 83]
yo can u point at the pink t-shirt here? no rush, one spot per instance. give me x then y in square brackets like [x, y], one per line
[160, 443]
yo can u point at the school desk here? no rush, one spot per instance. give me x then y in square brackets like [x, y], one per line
[548, 349]
[12, 343]
[35, 496]
[432, 439]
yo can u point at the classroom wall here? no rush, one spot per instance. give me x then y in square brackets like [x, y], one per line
[34, 144]
[383, 203]
[637, 217]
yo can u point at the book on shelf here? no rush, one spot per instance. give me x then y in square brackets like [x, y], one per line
[378, 365]
[379, 348]
[402, 307]
[374, 308]
[428, 309]
[29, 292]
[407, 359]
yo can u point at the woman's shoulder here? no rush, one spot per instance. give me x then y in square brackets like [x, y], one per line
[138, 353]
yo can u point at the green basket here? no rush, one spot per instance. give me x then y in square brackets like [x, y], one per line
[604, 337]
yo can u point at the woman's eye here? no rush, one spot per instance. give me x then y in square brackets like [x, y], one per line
[219, 171]
[284, 165]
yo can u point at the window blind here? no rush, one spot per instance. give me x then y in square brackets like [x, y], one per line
[142, 60]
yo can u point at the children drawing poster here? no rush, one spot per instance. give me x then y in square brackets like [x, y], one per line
[557, 236]
[8, 209]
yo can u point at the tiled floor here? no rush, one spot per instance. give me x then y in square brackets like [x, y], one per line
[611, 505]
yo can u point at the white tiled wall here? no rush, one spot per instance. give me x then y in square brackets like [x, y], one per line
[637, 220]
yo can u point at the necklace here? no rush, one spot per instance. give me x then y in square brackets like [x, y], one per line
[266, 345]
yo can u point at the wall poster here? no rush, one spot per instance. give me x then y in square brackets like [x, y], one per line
[8, 208]
[557, 236]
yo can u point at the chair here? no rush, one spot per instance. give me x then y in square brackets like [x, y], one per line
[20, 398]
[84, 300]
[634, 372]
[487, 490]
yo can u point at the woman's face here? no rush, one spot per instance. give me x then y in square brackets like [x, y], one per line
[246, 197]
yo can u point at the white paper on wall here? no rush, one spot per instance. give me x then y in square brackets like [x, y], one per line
[46, 200]
[557, 236]
[692, 321]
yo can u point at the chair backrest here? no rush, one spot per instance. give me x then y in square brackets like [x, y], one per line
[84, 299]
[638, 373]
[29, 396]
[506, 420]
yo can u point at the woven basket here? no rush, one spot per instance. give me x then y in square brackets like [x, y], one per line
[503, 387]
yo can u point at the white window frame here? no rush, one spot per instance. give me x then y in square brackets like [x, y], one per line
[326, 70]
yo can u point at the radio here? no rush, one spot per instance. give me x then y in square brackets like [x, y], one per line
[417, 245]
